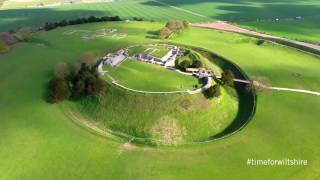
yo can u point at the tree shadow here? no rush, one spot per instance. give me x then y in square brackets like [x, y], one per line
[152, 35]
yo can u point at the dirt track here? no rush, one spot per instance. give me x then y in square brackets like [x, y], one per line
[221, 25]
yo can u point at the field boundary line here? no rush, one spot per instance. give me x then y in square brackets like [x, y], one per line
[181, 9]
[228, 27]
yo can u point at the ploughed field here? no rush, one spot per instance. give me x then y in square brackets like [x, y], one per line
[34, 132]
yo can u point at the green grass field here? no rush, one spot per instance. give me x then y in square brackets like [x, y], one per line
[303, 30]
[38, 140]
[148, 77]
[155, 50]
[243, 12]
[170, 119]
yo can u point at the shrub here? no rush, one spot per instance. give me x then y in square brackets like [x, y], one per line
[165, 32]
[58, 90]
[213, 91]
[259, 42]
[227, 78]
[185, 24]
[184, 65]
[7, 38]
[137, 19]
[196, 64]
[175, 26]
[24, 34]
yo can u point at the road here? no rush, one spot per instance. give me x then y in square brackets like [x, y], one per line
[222, 25]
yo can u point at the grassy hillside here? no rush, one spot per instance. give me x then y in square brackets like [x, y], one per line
[303, 30]
[38, 141]
[171, 119]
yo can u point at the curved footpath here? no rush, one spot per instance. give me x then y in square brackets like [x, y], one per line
[221, 25]
[195, 91]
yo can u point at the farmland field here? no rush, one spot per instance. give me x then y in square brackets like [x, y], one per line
[40, 141]
[243, 12]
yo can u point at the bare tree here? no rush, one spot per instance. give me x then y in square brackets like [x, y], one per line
[259, 85]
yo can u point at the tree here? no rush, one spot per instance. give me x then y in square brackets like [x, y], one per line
[184, 65]
[165, 32]
[227, 78]
[196, 64]
[58, 90]
[175, 26]
[61, 70]
[89, 60]
[217, 90]
[213, 91]
[260, 42]
[185, 24]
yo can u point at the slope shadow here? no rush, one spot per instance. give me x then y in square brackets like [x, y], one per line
[247, 100]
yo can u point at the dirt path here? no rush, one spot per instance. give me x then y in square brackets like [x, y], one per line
[282, 88]
[221, 25]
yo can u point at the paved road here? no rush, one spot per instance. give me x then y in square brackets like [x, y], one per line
[221, 25]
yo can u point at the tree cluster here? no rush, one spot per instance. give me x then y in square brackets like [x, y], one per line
[91, 19]
[213, 91]
[183, 65]
[172, 27]
[86, 82]
[137, 19]
[189, 60]
[80, 83]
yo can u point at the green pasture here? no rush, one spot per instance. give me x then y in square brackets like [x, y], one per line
[38, 140]
[149, 77]
[303, 30]
[154, 50]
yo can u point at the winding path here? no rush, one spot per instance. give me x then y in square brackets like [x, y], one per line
[222, 25]
[189, 91]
